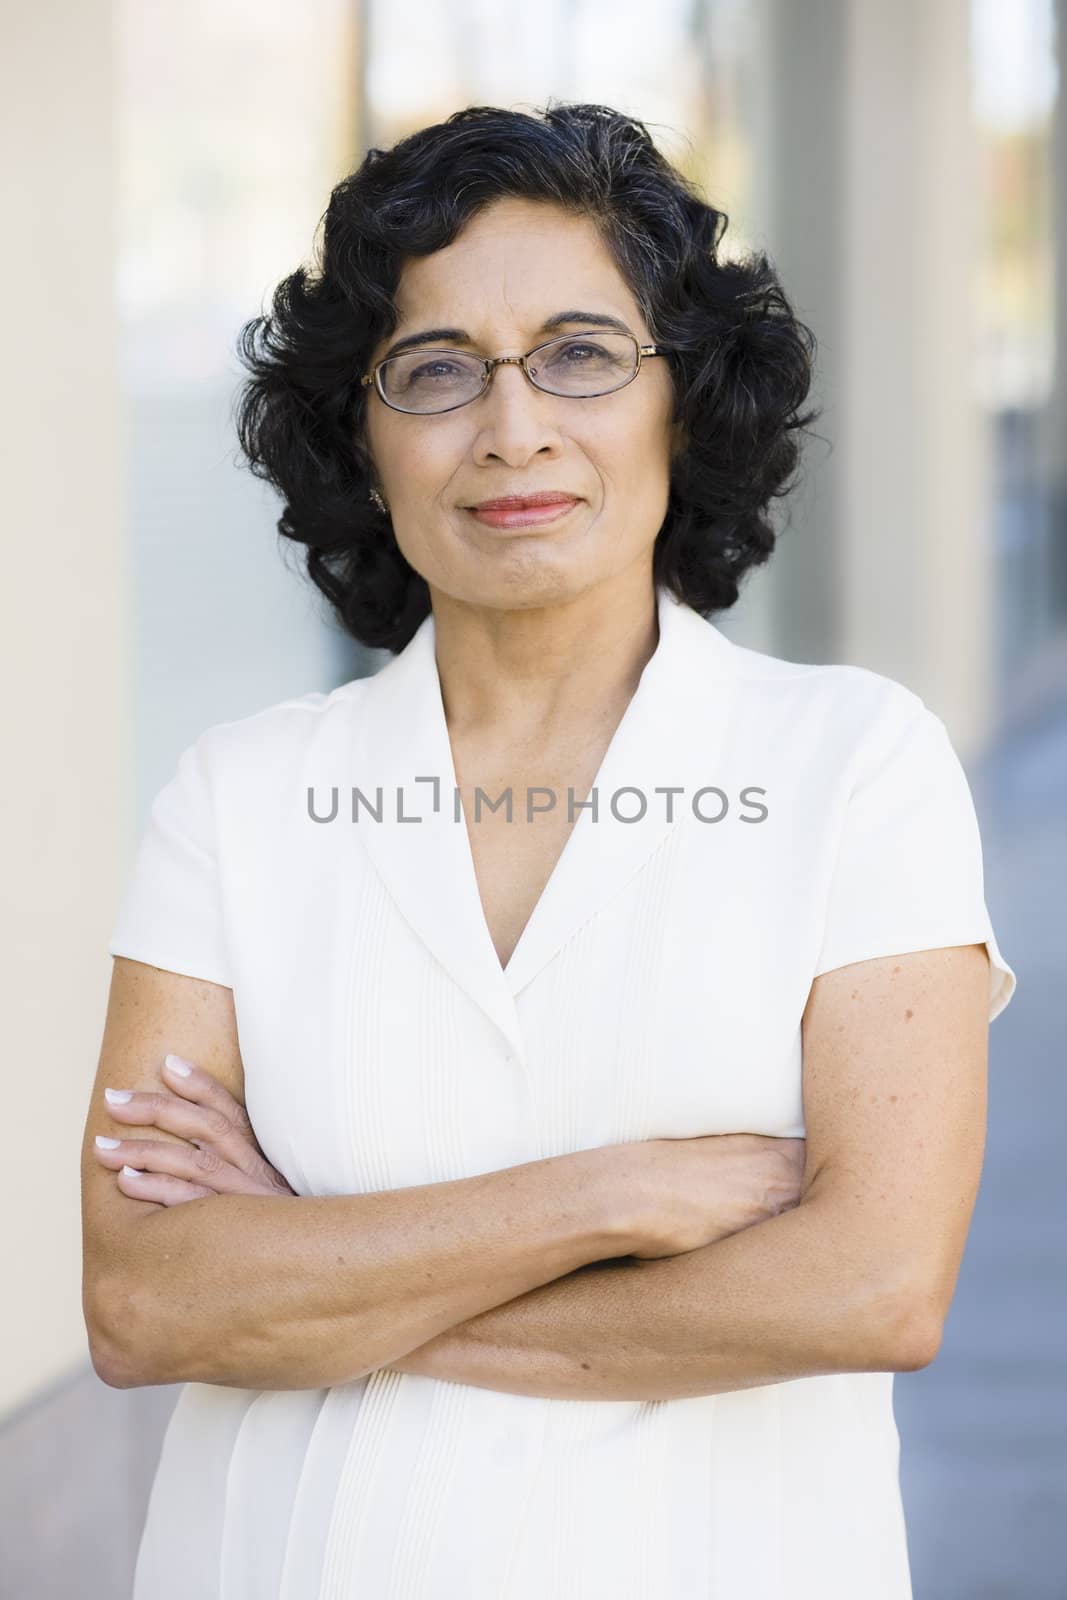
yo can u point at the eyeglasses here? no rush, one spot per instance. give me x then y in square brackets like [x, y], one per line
[578, 365]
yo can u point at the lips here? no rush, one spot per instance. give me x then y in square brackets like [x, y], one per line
[517, 502]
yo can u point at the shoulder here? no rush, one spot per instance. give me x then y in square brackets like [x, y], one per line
[839, 710]
[276, 737]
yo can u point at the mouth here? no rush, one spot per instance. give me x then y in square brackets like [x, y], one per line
[517, 511]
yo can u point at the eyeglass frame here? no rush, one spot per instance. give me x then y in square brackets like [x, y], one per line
[490, 363]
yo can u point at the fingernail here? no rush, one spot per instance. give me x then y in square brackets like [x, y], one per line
[107, 1144]
[178, 1065]
[118, 1097]
[132, 1172]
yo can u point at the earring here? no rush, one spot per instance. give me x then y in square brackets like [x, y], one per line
[378, 501]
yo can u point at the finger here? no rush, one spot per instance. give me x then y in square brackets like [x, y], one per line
[195, 1083]
[205, 1168]
[196, 1129]
[192, 1121]
[162, 1188]
[204, 1113]
[189, 1162]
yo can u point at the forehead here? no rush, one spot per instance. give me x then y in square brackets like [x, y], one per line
[513, 264]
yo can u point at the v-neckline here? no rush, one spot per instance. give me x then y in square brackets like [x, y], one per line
[618, 732]
[668, 734]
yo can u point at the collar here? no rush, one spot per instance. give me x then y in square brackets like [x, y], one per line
[670, 734]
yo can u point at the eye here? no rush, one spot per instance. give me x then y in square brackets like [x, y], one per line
[437, 368]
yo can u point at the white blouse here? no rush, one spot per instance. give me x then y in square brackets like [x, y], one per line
[820, 817]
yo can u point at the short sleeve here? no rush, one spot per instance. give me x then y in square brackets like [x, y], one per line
[170, 914]
[908, 870]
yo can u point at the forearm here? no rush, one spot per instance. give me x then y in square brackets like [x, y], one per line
[276, 1292]
[790, 1297]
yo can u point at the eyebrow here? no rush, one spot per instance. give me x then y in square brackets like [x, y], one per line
[596, 319]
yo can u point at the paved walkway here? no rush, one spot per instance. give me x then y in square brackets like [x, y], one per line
[984, 1428]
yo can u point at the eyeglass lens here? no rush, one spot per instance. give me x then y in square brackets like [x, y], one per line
[581, 365]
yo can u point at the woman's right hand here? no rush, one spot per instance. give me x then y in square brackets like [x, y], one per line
[694, 1191]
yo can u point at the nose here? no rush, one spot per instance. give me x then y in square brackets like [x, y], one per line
[515, 416]
[509, 370]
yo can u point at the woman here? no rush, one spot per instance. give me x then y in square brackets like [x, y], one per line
[720, 1039]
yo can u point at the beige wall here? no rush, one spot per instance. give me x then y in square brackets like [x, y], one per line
[61, 644]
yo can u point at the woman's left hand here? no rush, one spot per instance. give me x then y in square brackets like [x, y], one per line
[219, 1153]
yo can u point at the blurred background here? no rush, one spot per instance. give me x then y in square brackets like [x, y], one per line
[905, 164]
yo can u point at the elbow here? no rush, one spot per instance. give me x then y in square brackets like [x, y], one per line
[918, 1346]
[923, 1323]
[899, 1332]
[110, 1366]
[114, 1322]
[928, 1309]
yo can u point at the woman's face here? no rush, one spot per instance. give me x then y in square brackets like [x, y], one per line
[513, 266]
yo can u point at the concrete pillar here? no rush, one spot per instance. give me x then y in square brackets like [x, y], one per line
[870, 213]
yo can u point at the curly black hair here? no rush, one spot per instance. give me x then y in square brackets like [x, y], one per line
[741, 362]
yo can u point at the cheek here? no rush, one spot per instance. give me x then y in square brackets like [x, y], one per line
[425, 461]
[635, 451]
[635, 465]
[395, 443]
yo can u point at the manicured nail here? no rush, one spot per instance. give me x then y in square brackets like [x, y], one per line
[118, 1097]
[107, 1144]
[178, 1065]
[132, 1172]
